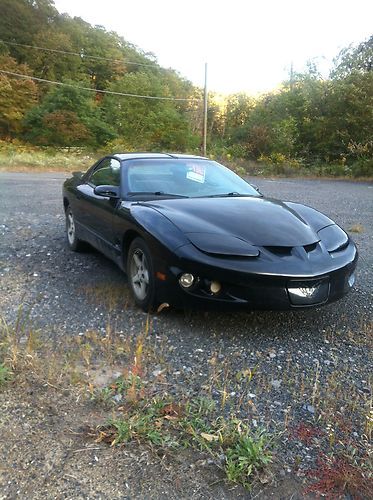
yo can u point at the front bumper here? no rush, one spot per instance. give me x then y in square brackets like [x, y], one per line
[243, 289]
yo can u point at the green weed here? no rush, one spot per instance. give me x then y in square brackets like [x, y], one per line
[248, 456]
[145, 423]
[5, 374]
[192, 424]
[126, 389]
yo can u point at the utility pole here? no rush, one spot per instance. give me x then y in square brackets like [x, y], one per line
[291, 76]
[205, 97]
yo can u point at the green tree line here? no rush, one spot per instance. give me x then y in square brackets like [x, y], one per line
[308, 120]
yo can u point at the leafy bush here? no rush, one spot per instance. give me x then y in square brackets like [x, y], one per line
[118, 145]
[278, 163]
[363, 167]
[331, 170]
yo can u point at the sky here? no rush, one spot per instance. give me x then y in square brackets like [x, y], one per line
[249, 45]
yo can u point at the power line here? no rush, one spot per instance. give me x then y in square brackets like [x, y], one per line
[97, 90]
[79, 54]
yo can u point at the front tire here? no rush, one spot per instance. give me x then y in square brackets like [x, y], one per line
[140, 274]
[74, 243]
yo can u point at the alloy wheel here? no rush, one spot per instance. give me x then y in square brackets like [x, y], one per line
[70, 228]
[139, 274]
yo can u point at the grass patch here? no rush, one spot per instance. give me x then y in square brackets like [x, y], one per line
[356, 228]
[168, 425]
[5, 374]
[248, 456]
[107, 295]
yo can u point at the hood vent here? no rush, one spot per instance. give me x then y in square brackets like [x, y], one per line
[310, 248]
[285, 251]
[279, 251]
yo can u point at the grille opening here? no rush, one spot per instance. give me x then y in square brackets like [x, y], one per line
[280, 250]
[311, 247]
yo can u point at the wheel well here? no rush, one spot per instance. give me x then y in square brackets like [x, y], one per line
[65, 203]
[128, 238]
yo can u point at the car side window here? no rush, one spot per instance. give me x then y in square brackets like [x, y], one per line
[107, 172]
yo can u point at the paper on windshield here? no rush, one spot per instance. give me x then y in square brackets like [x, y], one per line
[196, 173]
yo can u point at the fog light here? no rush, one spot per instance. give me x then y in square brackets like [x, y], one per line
[351, 280]
[186, 280]
[215, 287]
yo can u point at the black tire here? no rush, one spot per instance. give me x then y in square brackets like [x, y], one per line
[73, 242]
[140, 273]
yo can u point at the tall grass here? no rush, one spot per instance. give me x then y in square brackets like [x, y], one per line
[15, 156]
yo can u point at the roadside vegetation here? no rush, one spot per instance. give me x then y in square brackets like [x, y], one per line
[20, 157]
[16, 156]
[224, 418]
[308, 126]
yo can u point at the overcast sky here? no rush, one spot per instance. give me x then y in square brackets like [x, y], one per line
[248, 44]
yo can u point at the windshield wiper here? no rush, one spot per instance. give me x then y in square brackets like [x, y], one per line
[226, 195]
[155, 193]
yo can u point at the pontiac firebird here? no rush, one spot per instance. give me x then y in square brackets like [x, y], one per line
[189, 232]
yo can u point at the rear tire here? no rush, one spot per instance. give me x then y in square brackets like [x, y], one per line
[140, 274]
[73, 242]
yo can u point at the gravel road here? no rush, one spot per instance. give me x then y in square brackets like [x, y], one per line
[70, 294]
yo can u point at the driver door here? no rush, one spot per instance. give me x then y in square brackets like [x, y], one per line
[96, 212]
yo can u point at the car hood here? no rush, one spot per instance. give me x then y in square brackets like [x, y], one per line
[257, 221]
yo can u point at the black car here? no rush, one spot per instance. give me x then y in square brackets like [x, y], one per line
[190, 232]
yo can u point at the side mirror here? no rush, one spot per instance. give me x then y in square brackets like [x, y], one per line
[257, 189]
[107, 191]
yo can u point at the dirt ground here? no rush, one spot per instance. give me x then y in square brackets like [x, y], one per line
[47, 452]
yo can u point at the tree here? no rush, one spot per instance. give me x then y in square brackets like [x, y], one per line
[238, 109]
[21, 20]
[17, 96]
[102, 60]
[63, 106]
[354, 59]
[54, 65]
[147, 123]
[349, 114]
[63, 128]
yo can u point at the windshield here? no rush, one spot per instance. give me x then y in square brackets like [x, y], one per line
[184, 178]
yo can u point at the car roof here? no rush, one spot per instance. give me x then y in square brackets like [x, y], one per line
[131, 156]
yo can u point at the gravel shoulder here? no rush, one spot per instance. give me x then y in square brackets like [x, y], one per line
[279, 370]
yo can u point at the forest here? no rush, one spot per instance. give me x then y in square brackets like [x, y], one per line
[62, 80]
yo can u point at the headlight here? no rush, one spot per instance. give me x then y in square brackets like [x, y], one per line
[333, 237]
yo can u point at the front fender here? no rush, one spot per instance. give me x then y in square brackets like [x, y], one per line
[158, 226]
[311, 216]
